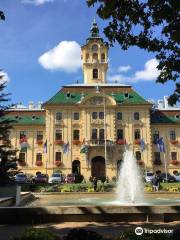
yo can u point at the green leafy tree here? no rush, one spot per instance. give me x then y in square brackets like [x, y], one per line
[152, 25]
[7, 154]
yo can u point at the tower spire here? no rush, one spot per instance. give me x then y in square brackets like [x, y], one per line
[94, 32]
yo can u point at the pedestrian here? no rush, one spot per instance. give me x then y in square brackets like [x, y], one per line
[156, 183]
[95, 183]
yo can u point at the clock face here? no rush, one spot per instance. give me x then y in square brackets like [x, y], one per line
[94, 47]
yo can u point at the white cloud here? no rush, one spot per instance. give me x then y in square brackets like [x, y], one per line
[37, 2]
[117, 77]
[5, 78]
[66, 56]
[149, 73]
[124, 68]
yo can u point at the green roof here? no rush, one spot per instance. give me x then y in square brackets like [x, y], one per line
[26, 120]
[159, 119]
[61, 98]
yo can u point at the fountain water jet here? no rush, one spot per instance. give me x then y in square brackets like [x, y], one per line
[129, 188]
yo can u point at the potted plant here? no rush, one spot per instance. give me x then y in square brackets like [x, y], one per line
[59, 142]
[174, 162]
[121, 141]
[157, 162]
[76, 142]
[39, 163]
[140, 162]
[58, 163]
[173, 141]
[137, 141]
[39, 142]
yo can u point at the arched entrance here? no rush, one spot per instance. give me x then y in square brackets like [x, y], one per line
[98, 167]
[76, 167]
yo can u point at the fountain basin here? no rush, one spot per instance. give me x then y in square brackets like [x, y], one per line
[70, 207]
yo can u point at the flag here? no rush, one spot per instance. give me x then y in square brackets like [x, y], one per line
[84, 149]
[66, 148]
[45, 147]
[142, 144]
[160, 145]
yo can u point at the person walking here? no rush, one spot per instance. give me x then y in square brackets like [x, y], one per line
[156, 183]
[95, 183]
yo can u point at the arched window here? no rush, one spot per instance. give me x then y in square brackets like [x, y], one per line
[137, 134]
[95, 57]
[138, 155]
[95, 73]
[102, 57]
[76, 167]
[58, 116]
[87, 57]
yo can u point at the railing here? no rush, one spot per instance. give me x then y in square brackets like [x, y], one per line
[99, 142]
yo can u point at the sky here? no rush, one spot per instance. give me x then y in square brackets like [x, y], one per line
[40, 51]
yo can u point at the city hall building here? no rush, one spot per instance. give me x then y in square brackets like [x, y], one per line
[86, 127]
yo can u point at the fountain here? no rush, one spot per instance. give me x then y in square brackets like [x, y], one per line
[129, 187]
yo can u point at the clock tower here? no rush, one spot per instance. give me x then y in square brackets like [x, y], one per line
[95, 58]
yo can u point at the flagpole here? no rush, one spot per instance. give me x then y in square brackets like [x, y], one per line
[165, 164]
[105, 142]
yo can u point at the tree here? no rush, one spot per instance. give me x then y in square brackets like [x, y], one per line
[7, 154]
[152, 25]
[2, 16]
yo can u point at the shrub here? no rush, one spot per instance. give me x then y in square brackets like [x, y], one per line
[37, 234]
[82, 234]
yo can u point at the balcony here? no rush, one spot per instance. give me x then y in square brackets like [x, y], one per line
[99, 142]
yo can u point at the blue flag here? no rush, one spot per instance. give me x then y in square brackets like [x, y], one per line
[45, 147]
[142, 144]
[160, 145]
[66, 148]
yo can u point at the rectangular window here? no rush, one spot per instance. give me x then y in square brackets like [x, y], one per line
[76, 116]
[157, 156]
[39, 157]
[58, 134]
[138, 155]
[23, 134]
[22, 156]
[58, 116]
[120, 134]
[94, 133]
[101, 134]
[58, 156]
[137, 134]
[76, 134]
[136, 115]
[173, 155]
[101, 115]
[119, 115]
[172, 135]
[155, 136]
[94, 115]
[39, 136]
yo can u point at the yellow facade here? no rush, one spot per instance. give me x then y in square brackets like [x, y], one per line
[90, 116]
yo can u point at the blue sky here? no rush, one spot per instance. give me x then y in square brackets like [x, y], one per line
[39, 36]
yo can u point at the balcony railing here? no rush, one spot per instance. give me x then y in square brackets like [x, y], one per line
[99, 142]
